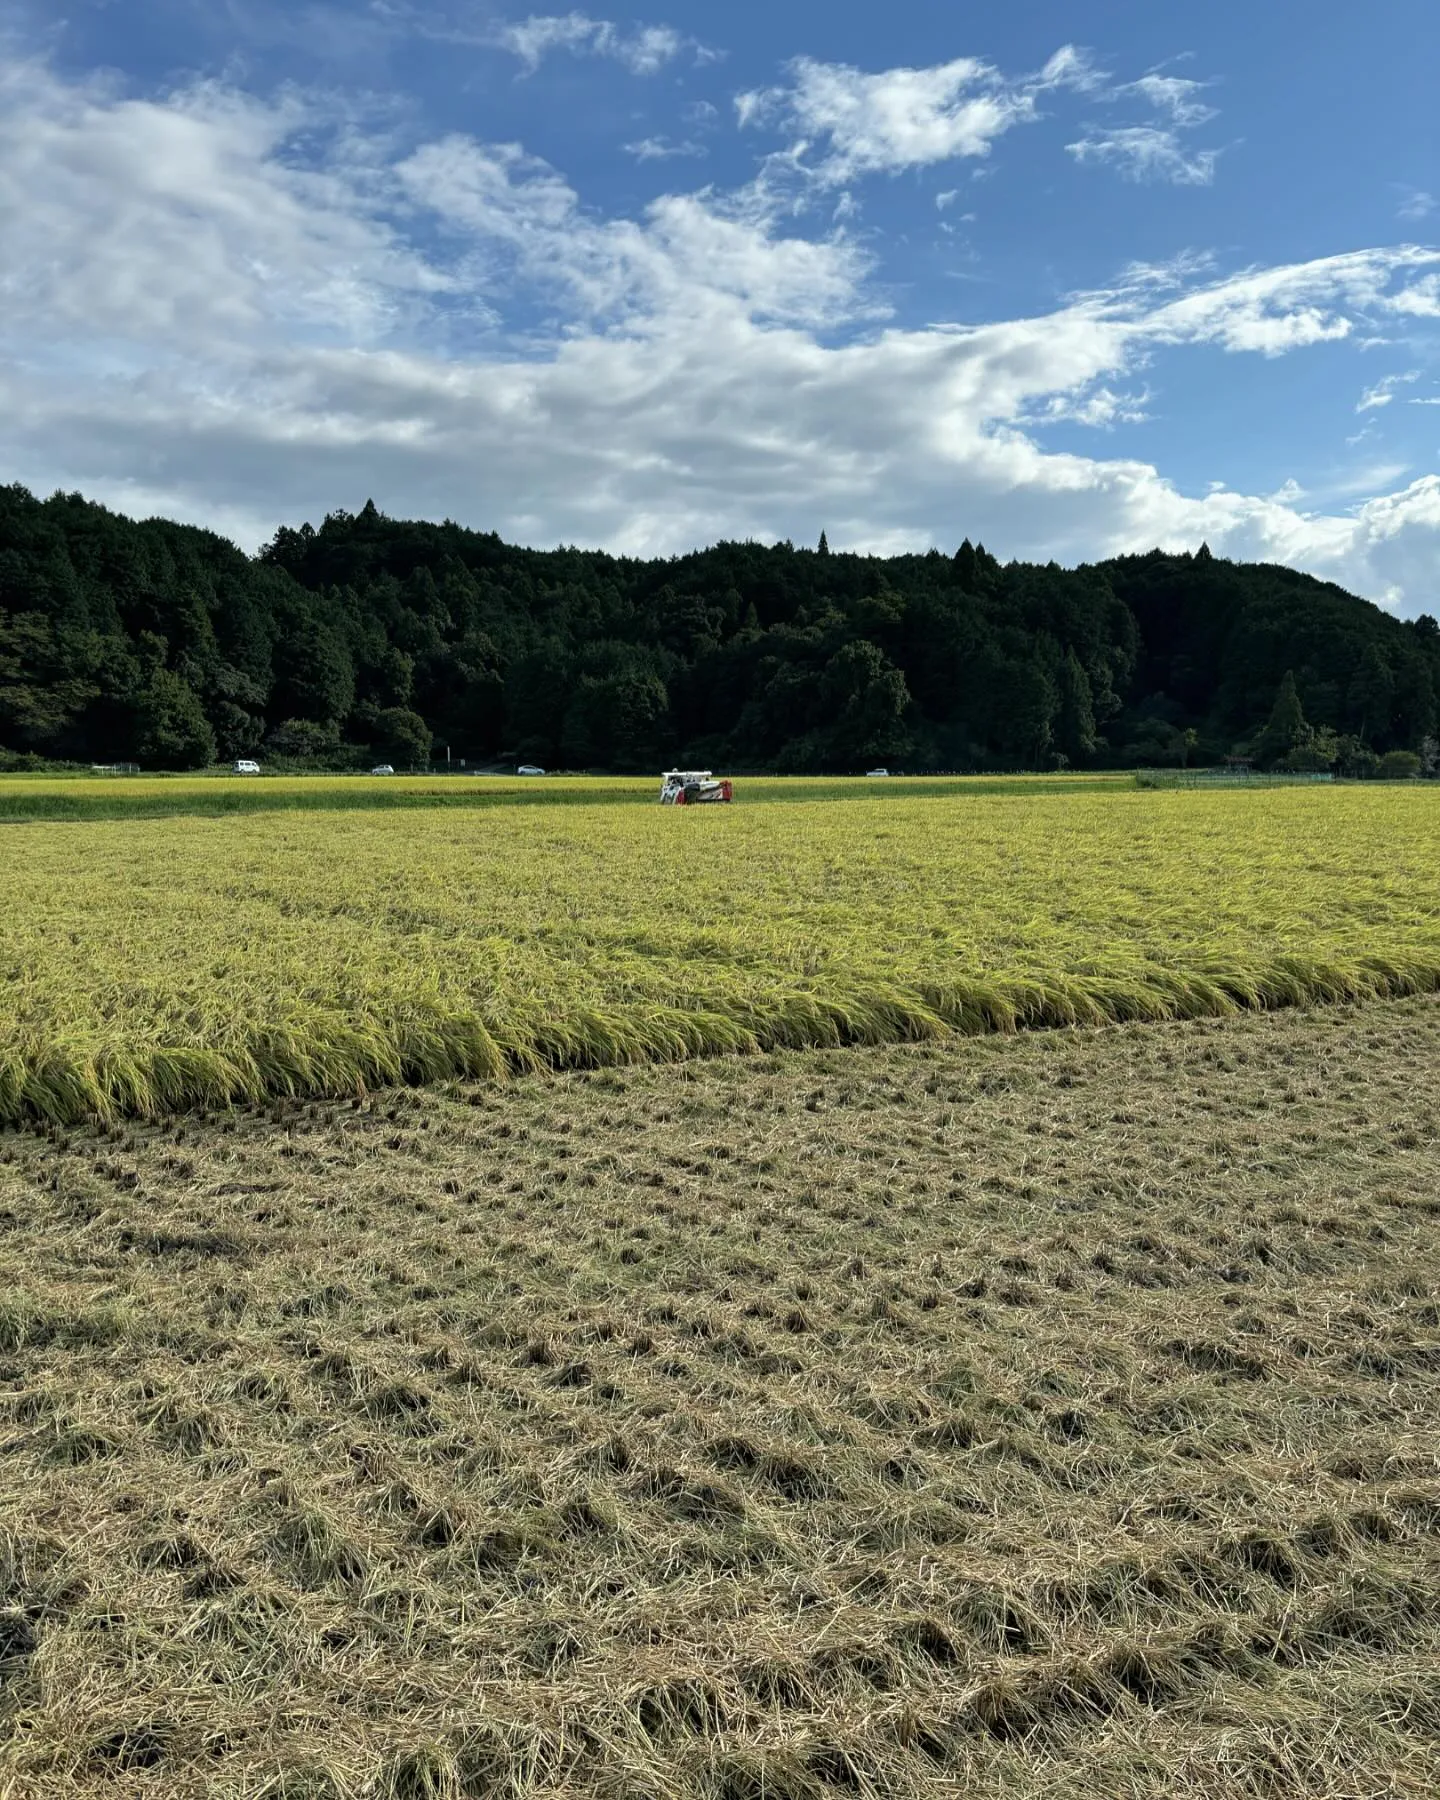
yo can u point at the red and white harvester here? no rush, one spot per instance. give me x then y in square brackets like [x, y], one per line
[694, 787]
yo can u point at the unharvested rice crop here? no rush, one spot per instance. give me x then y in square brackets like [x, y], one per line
[148, 796]
[166, 796]
[154, 963]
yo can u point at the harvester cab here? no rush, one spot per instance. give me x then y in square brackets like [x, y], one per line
[693, 787]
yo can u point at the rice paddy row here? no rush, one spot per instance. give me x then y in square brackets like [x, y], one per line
[150, 965]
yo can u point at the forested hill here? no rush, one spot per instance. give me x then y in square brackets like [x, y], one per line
[374, 638]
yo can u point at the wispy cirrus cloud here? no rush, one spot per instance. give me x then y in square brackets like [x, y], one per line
[1171, 95]
[663, 149]
[643, 49]
[1271, 312]
[1147, 153]
[1156, 150]
[1383, 391]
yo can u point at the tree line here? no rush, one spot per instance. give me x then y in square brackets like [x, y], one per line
[373, 638]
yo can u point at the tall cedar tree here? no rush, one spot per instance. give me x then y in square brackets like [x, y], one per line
[1286, 730]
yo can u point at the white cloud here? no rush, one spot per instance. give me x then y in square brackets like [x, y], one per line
[1147, 153]
[687, 256]
[1175, 273]
[1421, 299]
[903, 118]
[1070, 67]
[1154, 152]
[644, 50]
[1101, 408]
[1169, 94]
[663, 149]
[1383, 391]
[1273, 311]
[948, 198]
[245, 313]
[754, 105]
[131, 220]
[1417, 204]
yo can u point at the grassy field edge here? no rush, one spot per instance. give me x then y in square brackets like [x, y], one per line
[330, 1055]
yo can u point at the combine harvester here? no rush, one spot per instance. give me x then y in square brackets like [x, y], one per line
[694, 787]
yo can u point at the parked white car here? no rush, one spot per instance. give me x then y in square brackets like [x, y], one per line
[245, 766]
[383, 769]
[529, 769]
[878, 772]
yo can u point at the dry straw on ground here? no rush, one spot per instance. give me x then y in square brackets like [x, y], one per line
[1047, 1416]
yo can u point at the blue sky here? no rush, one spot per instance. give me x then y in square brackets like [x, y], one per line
[1071, 279]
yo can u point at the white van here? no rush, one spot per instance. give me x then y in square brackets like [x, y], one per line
[245, 767]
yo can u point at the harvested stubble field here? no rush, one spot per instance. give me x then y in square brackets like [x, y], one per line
[1052, 1415]
[154, 963]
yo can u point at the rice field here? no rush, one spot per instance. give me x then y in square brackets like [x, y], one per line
[908, 1400]
[217, 795]
[150, 964]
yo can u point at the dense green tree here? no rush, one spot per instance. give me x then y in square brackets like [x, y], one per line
[237, 732]
[1156, 743]
[1022, 705]
[42, 692]
[314, 671]
[1075, 729]
[390, 679]
[171, 730]
[743, 655]
[616, 718]
[1399, 765]
[401, 737]
[1313, 757]
[864, 701]
[1371, 696]
[304, 740]
[1354, 759]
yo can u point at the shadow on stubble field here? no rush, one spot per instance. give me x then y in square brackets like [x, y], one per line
[1054, 1416]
